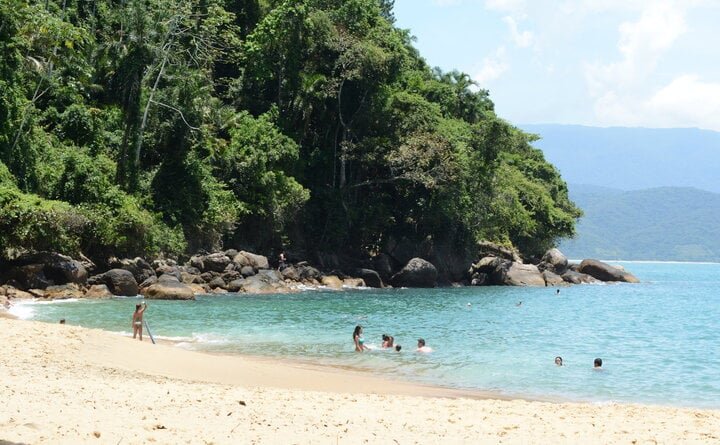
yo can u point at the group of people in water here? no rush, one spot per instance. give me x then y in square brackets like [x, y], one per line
[388, 342]
[597, 364]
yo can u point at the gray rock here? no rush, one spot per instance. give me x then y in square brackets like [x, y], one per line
[519, 274]
[572, 277]
[308, 272]
[247, 271]
[149, 282]
[416, 273]
[241, 260]
[382, 263]
[256, 261]
[271, 275]
[235, 286]
[605, 272]
[370, 277]
[290, 273]
[552, 279]
[231, 253]
[120, 282]
[217, 283]
[169, 289]
[231, 276]
[98, 291]
[215, 262]
[59, 292]
[141, 269]
[555, 261]
[332, 281]
[479, 279]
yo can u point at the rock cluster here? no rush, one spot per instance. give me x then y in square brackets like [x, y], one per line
[505, 269]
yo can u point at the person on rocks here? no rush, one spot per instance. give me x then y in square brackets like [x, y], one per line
[137, 319]
[282, 261]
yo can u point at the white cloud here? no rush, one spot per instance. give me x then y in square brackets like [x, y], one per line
[492, 67]
[522, 39]
[641, 44]
[686, 101]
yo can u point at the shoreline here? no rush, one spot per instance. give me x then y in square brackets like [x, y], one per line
[67, 384]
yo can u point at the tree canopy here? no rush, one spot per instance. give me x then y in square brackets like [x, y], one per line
[158, 126]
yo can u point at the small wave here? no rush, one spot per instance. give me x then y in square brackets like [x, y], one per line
[23, 311]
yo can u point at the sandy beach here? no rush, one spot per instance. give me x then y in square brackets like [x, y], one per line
[65, 384]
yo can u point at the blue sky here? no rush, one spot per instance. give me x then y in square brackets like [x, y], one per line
[651, 63]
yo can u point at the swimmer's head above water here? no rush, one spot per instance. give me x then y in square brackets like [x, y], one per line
[558, 361]
[597, 363]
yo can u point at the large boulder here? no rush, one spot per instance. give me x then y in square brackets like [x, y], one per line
[489, 265]
[120, 282]
[263, 283]
[98, 291]
[554, 261]
[217, 283]
[307, 272]
[215, 262]
[552, 279]
[573, 277]
[519, 274]
[382, 263]
[256, 261]
[605, 272]
[416, 273]
[141, 269]
[290, 273]
[169, 287]
[59, 292]
[42, 269]
[332, 281]
[370, 277]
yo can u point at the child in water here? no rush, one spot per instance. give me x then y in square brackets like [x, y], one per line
[421, 346]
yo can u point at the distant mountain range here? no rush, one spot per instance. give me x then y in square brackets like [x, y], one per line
[632, 158]
[667, 223]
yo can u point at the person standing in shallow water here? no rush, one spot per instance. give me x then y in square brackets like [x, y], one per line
[358, 339]
[137, 319]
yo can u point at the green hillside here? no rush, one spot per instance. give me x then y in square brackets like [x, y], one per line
[169, 126]
[665, 224]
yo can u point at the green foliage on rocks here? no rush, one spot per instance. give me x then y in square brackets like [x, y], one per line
[159, 126]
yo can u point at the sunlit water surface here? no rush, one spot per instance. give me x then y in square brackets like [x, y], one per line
[659, 340]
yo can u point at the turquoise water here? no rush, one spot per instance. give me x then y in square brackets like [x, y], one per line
[659, 340]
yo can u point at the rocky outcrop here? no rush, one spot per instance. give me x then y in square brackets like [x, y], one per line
[416, 273]
[554, 261]
[370, 277]
[552, 279]
[258, 262]
[169, 287]
[332, 281]
[141, 269]
[61, 292]
[606, 272]
[573, 277]
[518, 274]
[98, 291]
[120, 282]
[42, 269]
[486, 249]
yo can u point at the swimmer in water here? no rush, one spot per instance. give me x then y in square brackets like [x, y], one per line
[597, 364]
[557, 292]
[398, 348]
[558, 361]
[519, 303]
[388, 341]
[421, 346]
[358, 339]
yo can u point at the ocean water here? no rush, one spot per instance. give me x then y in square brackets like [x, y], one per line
[659, 340]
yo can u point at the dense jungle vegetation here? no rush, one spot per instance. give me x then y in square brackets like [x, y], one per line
[148, 127]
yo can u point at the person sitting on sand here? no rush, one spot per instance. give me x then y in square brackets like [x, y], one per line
[421, 346]
[598, 363]
[137, 319]
[358, 339]
[388, 341]
[558, 360]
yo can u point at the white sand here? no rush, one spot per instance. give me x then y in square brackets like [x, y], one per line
[64, 384]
